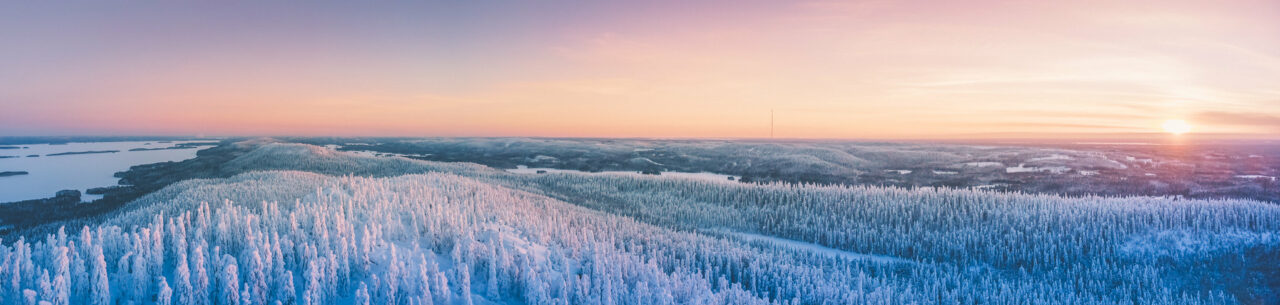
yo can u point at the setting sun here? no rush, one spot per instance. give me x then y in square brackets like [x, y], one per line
[1176, 127]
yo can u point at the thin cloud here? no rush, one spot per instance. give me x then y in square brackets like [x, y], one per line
[1261, 121]
[1027, 125]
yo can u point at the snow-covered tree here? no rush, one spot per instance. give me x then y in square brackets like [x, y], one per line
[164, 294]
[464, 283]
[29, 297]
[314, 293]
[285, 293]
[61, 294]
[362, 295]
[229, 282]
[257, 278]
[100, 289]
[199, 276]
[185, 294]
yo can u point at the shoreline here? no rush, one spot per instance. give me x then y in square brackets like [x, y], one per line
[18, 216]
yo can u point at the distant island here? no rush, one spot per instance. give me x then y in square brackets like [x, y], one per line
[161, 148]
[17, 141]
[176, 146]
[12, 173]
[83, 152]
[107, 189]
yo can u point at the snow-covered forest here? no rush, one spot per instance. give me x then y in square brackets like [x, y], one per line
[307, 225]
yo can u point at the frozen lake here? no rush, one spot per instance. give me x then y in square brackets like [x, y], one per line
[49, 174]
[521, 169]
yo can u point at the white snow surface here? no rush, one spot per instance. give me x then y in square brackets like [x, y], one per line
[1051, 157]
[811, 247]
[1263, 177]
[1022, 168]
[524, 169]
[981, 164]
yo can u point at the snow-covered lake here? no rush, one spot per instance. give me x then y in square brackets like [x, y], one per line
[521, 169]
[49, 174]
[980, 164]
[1252, 177]
[1050, 158]
[370, 153]
[1022, 168]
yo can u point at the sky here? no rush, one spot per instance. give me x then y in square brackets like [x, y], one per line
[669, 69]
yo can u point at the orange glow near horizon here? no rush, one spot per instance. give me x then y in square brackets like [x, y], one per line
[864, 70]
[1176, 127]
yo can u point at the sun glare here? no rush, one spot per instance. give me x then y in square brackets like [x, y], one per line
[1176, 127]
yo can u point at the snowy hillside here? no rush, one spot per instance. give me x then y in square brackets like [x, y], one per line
[307, 225]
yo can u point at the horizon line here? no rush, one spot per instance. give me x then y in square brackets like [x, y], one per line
[994, 136]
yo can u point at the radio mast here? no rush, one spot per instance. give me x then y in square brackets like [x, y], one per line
[770, 123]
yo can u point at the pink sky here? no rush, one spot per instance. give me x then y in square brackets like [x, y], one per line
[834, 69]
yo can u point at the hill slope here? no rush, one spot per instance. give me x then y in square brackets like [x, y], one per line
[295, 227]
